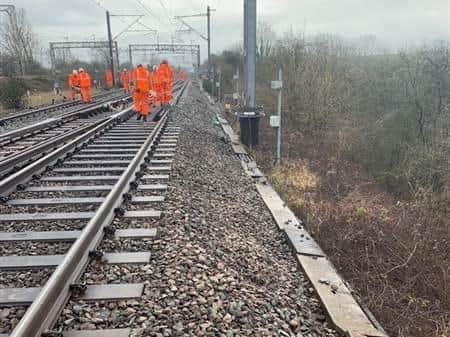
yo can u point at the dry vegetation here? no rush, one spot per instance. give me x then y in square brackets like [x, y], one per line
[366, 153]
[391, 251]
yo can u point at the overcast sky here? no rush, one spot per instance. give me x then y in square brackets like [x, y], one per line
[397, 23]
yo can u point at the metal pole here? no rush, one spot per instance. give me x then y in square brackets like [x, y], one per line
[244, 81]
[110, 42]
[117, 56]
[208, 14]
[130, 53]
[237, 83]
[213, 80]
[220, 85]
[198, 59]
[249, 118]
[280, 78]
[250, 53]
[53, 64]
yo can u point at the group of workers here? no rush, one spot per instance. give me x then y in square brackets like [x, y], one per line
[79, 82]
[149, 86]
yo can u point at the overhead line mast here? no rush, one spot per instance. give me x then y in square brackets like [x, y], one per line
[206, 38]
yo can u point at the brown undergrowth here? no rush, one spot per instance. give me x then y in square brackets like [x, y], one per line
[394, 253]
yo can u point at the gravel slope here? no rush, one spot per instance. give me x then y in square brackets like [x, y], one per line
[220, 266]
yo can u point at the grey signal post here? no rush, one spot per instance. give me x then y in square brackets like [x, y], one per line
[276, 122]
[110, 42]
[250, 52]
[249, 117]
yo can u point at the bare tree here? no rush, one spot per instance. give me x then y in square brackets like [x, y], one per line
[17, 39]
[266, 39]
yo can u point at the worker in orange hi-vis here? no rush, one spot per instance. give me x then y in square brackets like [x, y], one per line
[133, 83]
[125, 80]
[183, 75]
[141, 92]
[108, 79]
[84, 83]
[72, 83]
[165, 76]
[156, 85]
[152, 93]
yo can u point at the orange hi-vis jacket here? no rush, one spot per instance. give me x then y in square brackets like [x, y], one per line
[125, 77]
[165, 73]
[151, 80]
[109, 78]
[141, 79]
[84, 80]
[72, 81]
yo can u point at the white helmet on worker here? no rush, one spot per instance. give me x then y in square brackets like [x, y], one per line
[74, 72]
[80, 70]
[124, 69]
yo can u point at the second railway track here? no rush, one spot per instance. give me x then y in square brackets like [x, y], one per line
[111, 184]
[23, 145]
[30, 116]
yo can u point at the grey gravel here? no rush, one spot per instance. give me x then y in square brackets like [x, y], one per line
[9, 317]
[220, 266]
[25, 279]
[33, 248]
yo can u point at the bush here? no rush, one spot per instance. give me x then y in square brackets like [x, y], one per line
[12, 93]
[390, 151]
[424, 168]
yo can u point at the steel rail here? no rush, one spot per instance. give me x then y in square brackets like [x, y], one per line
[55, 121]
[25, 113]
[46, 308]
[8, 184]
[14, 161]
[28, 154]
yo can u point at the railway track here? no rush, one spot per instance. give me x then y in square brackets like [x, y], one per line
[23, 145]
[107, 183]
[12, 121]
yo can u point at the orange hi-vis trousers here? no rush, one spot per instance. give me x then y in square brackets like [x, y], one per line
[86, 95]
[126, 87]
[141, 102]
[158, 93]
[166, 92]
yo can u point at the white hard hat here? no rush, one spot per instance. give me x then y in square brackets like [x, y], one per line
[74, 71]
[124, 69]
[81, 69]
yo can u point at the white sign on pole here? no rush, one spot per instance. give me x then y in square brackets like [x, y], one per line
[275, 121]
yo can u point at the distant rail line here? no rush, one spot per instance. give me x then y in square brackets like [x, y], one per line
[45, 110]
